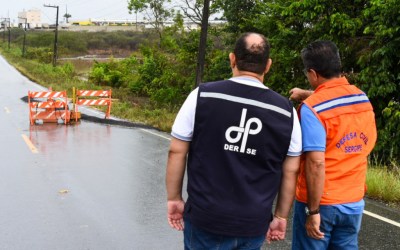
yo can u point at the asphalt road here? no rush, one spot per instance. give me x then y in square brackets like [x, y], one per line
[100, 186]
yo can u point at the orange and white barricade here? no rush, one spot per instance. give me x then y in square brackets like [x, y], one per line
[93, 98]
[48, 106]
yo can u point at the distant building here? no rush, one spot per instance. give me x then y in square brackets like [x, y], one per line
[146, 24]
[33, 19]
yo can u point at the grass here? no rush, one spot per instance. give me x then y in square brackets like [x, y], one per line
[383, 185]
[160, 118]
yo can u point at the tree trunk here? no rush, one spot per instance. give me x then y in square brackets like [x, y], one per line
[203, 43]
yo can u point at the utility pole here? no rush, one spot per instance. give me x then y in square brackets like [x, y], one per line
[24, 42]
[9, 33]
[56, 36]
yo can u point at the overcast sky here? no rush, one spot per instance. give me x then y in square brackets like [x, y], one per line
[78, 9]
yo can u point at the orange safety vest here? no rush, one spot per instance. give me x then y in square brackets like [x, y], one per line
[349, 122]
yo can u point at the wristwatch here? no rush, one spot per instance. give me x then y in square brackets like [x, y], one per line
[309, 212]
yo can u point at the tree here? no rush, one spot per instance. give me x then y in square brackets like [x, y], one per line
[198, 11]
[201, 57]
[237, 13]
[155, 11]
[136, 6]
[66, 16]
[193, 9]
[380, 73]
[367, 33]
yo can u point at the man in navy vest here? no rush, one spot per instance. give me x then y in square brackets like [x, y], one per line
[241, 143]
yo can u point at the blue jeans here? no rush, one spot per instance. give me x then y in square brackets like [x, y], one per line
[341, 230]
[198, 239]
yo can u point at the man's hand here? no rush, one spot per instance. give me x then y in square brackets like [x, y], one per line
[175, 214]
[276, 230]
[299, 95]
[312, 226]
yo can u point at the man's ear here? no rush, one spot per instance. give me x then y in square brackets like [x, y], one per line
[313, 75]
[232, 60]
[268, 66]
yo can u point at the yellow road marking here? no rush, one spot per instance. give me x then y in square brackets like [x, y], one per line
[30, 144]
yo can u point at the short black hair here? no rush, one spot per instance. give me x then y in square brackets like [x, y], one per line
[323, 57]
[254, 57]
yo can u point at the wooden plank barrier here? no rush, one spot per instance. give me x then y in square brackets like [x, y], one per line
[48, 106]
[93, 98]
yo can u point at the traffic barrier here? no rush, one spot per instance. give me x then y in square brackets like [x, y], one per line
[93, 98]
[48, 106]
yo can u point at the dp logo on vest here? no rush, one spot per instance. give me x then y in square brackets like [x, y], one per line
[236, 133]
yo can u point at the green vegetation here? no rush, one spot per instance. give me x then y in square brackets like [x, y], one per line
[383, 185]
[158, 69]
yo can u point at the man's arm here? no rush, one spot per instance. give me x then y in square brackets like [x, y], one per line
[277, 229]
[174, 180]
[299, 95]
[315, 177]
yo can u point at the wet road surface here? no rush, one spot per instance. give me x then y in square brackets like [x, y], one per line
[83, 186]
[97, 186]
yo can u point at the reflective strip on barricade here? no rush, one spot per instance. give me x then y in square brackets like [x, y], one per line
[47, 94]
[87, 102]
[98, 93]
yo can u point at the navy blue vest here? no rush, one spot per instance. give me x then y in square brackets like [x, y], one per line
[241, 137]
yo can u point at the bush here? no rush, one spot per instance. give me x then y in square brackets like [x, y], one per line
[219, 67]
[97, 74]
[43, 55]
[73, 43]
[40, 39]
[113, 73]
[67, 70]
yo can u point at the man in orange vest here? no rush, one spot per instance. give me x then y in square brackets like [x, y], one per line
[339, 132]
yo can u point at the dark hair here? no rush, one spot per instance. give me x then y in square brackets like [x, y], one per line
[251, 57]
[323, 57]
